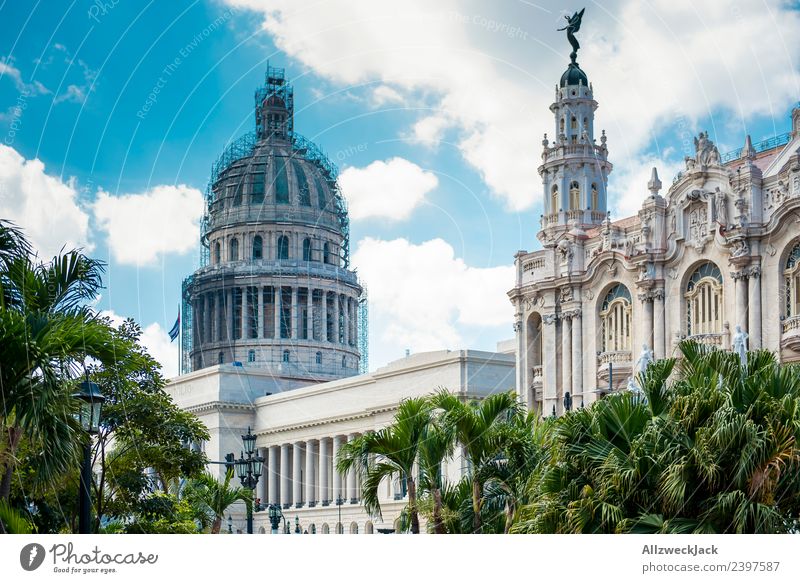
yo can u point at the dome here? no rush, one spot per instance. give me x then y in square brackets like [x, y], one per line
[574, 75]
[275, 180]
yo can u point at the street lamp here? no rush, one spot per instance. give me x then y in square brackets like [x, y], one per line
[339, 502]
[248, 468]
[230, 524]
[275, 516]
[91, 404]
[297, 525]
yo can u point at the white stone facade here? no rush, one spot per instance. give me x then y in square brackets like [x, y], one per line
[718, 249]
[300, 428]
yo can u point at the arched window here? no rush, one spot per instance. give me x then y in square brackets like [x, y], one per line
[561, 126]
[285, 356]
[326, 252]
[233, 254]
[595, 202]
[704, 307]
[319, 358]
[792, 274]
[574, 195]
[325, 528]
[353, 528]
[554, 203]
[258, 247]
[251, 356]
[339, 528]
[615, 320]
[283, 247]
[574, 123]
[217, 253]
[306, 249]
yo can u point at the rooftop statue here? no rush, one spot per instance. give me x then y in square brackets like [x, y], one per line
[573, 26]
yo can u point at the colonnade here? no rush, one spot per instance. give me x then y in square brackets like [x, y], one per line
[282, 312]
[303, 474]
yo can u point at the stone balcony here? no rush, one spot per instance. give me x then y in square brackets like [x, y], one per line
[717, 340]
[790, 333]
[616, 362]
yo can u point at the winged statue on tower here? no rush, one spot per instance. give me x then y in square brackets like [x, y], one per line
[573, 26]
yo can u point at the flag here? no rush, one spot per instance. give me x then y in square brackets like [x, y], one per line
[173, 334]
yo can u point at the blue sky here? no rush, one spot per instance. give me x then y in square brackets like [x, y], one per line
[434, 115]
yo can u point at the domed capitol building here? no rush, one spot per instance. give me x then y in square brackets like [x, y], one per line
[275, 320]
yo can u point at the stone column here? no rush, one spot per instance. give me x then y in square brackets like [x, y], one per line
[566, 359]
[278, 308]
[286, 488]
[263, 483]
[229, 315]
[295, 319]
[754, 294]
[310, 317]
[346, 320]
[337, 476]
[310, 483]
[740, 277]
[549, 364]
[659, 324]
[245, 320]
[351, 478]
[297, 470]
[324, 483]
[647, 307]
[577, 358]
[325, 316]
[260, 316]
[273, 470]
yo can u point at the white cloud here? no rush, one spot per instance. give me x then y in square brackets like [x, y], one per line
[7, 68]
[391, 189]
[143, 227]
[651, 64]
[45, 206]
[156, 341]
[423, 297]
[429, 130]
[383, 95]
[632, 178]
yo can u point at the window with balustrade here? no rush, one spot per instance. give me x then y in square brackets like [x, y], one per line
[791, 273]
[554, 204]
[704, 297]
[574, 196]
[615, 320]
[595, 198]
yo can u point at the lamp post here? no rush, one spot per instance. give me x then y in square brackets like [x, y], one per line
[275, 516]
[339, 502]
[249, 467]
[230, 524]
[91, 403]
[297, 525]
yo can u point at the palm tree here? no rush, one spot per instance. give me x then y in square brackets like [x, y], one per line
[46, 332]
[435, 447]
[477, 427]
[712, 451]
[389, 453]
[516, 472]
[211, 498]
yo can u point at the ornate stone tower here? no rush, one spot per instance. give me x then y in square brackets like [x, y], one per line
[274, 289]
[574, 167]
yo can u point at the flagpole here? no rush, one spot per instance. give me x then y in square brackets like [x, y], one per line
[180, 339]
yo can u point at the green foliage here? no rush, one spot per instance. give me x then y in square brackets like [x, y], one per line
[713, 451]
[209, 498]
[12, 521]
